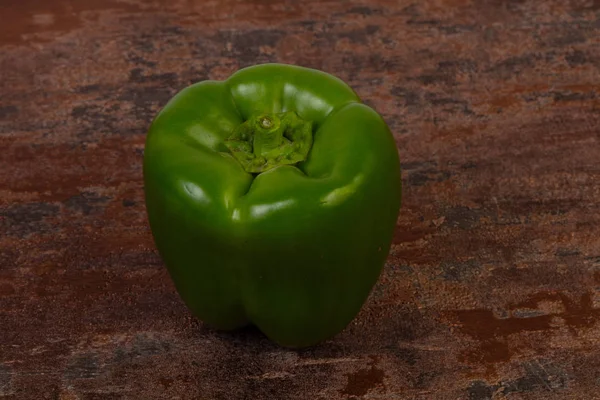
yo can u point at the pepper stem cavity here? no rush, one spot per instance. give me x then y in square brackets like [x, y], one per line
[266, 141]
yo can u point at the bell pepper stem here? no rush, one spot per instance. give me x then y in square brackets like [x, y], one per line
[267, 141]
[268, 135]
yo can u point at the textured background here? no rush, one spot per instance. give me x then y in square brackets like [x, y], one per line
[492, 287]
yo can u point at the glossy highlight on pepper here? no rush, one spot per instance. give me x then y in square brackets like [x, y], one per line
[272, 198]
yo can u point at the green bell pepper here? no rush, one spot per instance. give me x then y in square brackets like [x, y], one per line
[272, 197]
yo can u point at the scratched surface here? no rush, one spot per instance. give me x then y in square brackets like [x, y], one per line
[492, 286]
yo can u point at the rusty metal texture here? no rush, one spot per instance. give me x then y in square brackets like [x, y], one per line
[492, 286]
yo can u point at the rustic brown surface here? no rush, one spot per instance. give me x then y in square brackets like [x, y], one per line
[492, 287]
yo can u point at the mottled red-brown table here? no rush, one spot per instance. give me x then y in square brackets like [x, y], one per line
[491, 289]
